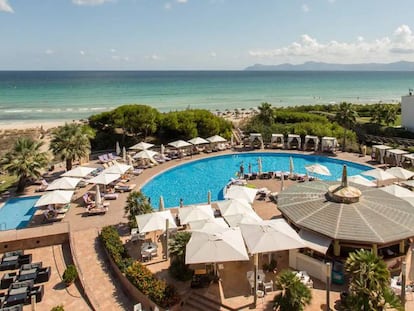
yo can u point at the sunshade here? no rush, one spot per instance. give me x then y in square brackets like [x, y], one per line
[291, 166]
[64, 183]
[141, 146]
[194, 213]
[210, 225]
[55, 197]
[216, 139]
[360, 180]
[117, 148]
[104, 179]
[80, 171]
[378, 174]
[270, 236]
[216, 247]
[198, 141]
[179, 144]
[234, 206]
[155, 221]
[124, 154]
[315, 241]
[117, 168]
[145, 154]
[241, 192]
[161, 205]
[400, 173]
[318, 169]
[98, 198]
[398, 191]
[409, 183]
[247, 218]
[259, 165]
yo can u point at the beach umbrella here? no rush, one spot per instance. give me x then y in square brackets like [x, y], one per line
[117, 168]
[179, 144]
[398, 191]
[282, 183]
[318, 169]
[161, 204]
[225, 246]
[98, 198]
[145, 154]
[162, 149]
[195, 213]
[80, 171]
[241, 192]
[259, 165]
[64, 183]
[409, 183]
[378, 174]
[141, 146]
[210, 225]
[234, 206]
[124, 154]
[104, 179]
[270, 236]
[198, 141]
[155, 221]
[130, 161]
[209, 197]
[360, 180]
[216, 139]
[55, 197]
[400, 173]
[247, 218]
[117, 148]
[291, 166]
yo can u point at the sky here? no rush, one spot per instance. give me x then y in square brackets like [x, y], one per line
[201, 34]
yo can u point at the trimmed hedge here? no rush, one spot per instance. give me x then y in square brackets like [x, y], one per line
[140, 276]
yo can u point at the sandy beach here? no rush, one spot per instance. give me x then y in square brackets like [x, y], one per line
[31, 125]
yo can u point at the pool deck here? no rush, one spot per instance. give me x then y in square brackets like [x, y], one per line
[100, 284]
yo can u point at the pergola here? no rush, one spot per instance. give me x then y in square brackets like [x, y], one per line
[329, 144]
[379, 150]
[277, 140]
[314, 140]
[292, 138]
[395, 156]
[256, 138]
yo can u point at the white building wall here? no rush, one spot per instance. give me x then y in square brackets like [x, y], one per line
[407, 112]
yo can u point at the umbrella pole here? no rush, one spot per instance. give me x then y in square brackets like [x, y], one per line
[256, 263]
[167, 236]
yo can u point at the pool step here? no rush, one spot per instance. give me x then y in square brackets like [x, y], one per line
[198, 302]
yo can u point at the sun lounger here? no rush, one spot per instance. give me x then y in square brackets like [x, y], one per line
[110, 196]
[43, 185]
[125, 188]
[95, 210]
[51, 216]
[137, 171]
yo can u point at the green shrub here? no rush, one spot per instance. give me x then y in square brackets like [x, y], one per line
[70, 274]
[180, 271]
[58, 308]
[113, 244]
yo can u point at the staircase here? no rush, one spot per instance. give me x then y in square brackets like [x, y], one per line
[198, 302]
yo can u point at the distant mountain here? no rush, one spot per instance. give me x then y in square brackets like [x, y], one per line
[319, 66]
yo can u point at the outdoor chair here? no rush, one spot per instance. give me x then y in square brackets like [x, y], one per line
[24, 259]
[268, 287]
[11, 308]
[13, 253]
[43, 275]
[8, 279]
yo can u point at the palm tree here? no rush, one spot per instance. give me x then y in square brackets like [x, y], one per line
[25, 160]
[71, 141]
[266, 113]
[369, 283]
[293, 295]
[346, 116]
[377, 113]
[177, 244]
[137, 204]
[390, 115]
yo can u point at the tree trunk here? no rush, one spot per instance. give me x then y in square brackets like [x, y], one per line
[21, 184]
[68, 164]
[344, 141]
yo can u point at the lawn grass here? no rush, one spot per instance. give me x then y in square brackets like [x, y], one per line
[364, 120]
[6, 181]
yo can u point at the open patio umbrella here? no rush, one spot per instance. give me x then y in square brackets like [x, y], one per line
[216, 247]
[234, 206]
[141, 146]
[80, 171]
[117, 148]
[145, 154]
[117, 168]
[179, 144]
[210, 225]
[318, 169]
[55, 197]
[398, 191]
[247, 218]
[378, 174]
[198, 141]
[216, 139]
[104, 179]
[194, 213]
[241, 192]
[155, 221]
[400, 173]
[64, 183]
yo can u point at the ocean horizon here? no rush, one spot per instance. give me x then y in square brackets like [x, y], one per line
[31, 96]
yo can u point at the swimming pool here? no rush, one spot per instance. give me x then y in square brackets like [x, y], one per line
[191, 181]
[16, 213]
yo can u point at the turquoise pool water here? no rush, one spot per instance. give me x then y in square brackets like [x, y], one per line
[191, 181]
[16, 213]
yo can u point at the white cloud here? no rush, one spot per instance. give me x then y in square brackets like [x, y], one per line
[49, 52]
[90, 2]
[5, 6]
[305, 8]
[112, 50]
[167, 6]
[81, 52]
[213, 54]
[308, 48]
[182, 1]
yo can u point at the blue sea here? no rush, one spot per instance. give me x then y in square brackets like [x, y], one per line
[65, 95]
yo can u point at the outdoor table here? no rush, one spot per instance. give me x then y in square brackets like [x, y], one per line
[147, 249]
[27, 275]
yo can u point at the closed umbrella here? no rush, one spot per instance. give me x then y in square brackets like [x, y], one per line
[318, 169]
[117, 148]
[209, 197]
[55, 197]
[291, 166]
[98, 198]
[130, 161]
[259, 165]
[80, 171]
[155, 221]
[64, 183]
[141, 146]
[124, 154]
[161, 204]
[195, 213]
[162, 149]
[241, 192]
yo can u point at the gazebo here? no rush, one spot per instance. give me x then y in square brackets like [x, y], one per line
[379, 152]
[311, 142]
[329, 144]
[294, 141]
[256, 140]
[394, 156]
[277, 141]
[409, 157]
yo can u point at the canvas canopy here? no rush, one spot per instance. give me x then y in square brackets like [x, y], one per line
[155, 221]
[277, 139]
[194, 213]
[328, 144]
[104, 179]
[314, 139]
[216, 139]
[318, 169]
[241, 192]
[64, 183]
[117, 168]
[234, 206]
[80, 171]
[216, 247]
[55, 197]
[256, 137]
[293, 138]
[234, 220]
[198, 141]
[315, 241]
[141, 146]
[400, 173]
[179, 144]
[380, 151]
[396, 155]
[210, 225]
[409, 157]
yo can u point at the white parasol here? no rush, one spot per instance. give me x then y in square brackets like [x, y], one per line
[141, 146]
[55, 197]
[80, 171]
[318, 169]
[155, 221]
[241, 192]
[64, 183]
[195, 213]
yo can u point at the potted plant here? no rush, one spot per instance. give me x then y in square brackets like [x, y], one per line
[58, 308]
[70, 275]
